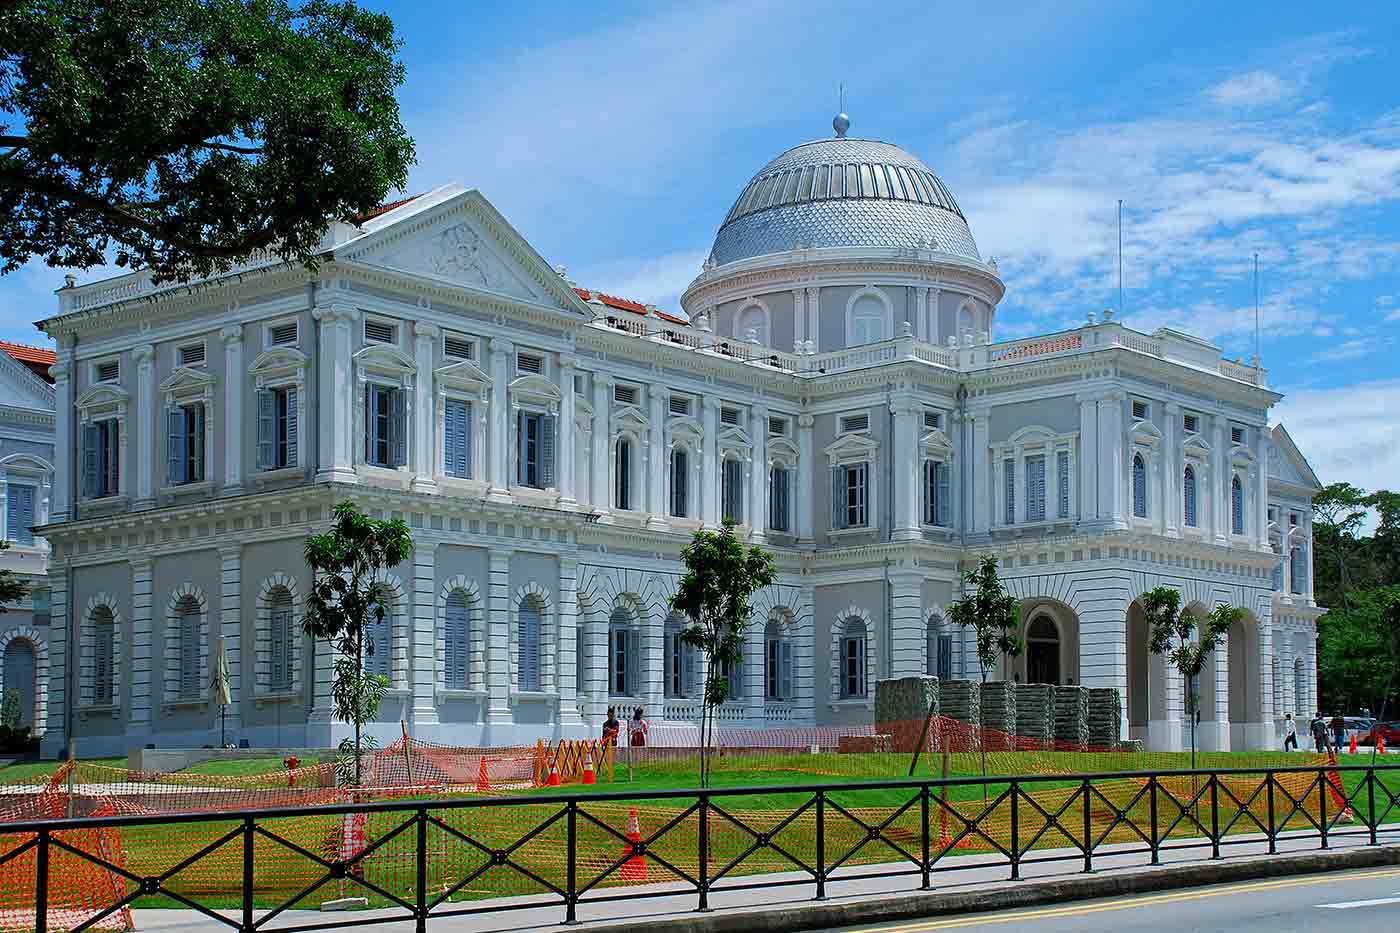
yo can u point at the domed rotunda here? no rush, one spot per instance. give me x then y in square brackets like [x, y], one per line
[841, 242]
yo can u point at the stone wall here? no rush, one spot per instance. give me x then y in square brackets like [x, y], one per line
[1072, 715]
[1105, 717]
[1035, 712]
[999, 707]
[901, 707]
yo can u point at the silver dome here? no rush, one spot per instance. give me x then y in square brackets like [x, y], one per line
[843, 192]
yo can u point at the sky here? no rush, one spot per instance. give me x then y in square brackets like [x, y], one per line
[615, 136]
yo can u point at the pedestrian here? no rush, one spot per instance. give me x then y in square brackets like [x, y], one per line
[1290, 732]
[1318, 727]
[637, 729]
[611, 727]
[1339, 729]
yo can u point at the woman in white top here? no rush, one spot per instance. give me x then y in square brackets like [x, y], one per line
[637, 729]
[1290, 732]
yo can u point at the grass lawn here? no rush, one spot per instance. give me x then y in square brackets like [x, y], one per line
[239, 766]
[30, 771]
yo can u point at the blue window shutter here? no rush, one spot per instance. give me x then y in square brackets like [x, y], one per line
[12, 513]
[634, 654]
[1188, 495]
[520, 448]
[464, 441]
[1008, 467]
[547, 451]
[371, 427]
[455, 637]
[280, 636]
[943, 495]
[26, 509]
[1139, 488]
[189, 650]
[452, 438]
[687, 670]
[930, 498]
[785, 669]
[92, 459]
[838, 497]
[267, 429]
[175, 446]
[199, 428]
[113, 440]
[381, 662]
[528, 621]
[398, 428]
[102, 661]
[1062, 469]
[1236, 506]
[292, 440]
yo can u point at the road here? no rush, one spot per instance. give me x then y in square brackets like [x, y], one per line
[1367, 899]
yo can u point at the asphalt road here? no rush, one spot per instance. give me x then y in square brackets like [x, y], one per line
[1367, 899]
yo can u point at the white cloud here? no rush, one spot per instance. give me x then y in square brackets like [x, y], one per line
[1251, 89]
[659, 280]
[1349, 434]
[1349, 350]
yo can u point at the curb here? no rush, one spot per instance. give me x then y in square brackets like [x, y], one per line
[918, 905]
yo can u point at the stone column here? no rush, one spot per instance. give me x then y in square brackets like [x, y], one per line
[921, 313]
[656, 458]
[806, 478]
[564, 443]
[66, 450]
[145, 413]
[1172, 511]
[145, 693]
[231, 630]
[814, 319]
[907, 625]
[60, 675]
[425, 437]
[600, 470]
[1220, 481]
[423, 643]
[908, 471]
[502, 359]
[1088, 458]
[799, 319]
[755, 675]
[234, 382]
[709, 470]
[571, 692]
[498, 713]
[981, 498]
[934, 330]
[758, 475]
[1213, 734]
[1261, 488]
[595, 657]
[1113, 463]
[335, 406]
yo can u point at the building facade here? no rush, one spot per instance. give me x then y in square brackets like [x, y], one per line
[834, 388]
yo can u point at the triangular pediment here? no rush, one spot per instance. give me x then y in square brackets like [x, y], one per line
[384, 358]
[460, 239]
[851, 446]
[629, 418]
[187, 378]
[1287, 463]
[464, 374]
[936, 440]
[22, 388]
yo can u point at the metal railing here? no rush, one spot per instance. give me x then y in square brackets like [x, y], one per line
[1158, 817]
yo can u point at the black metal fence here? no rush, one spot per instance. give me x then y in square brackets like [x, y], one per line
[819, 833]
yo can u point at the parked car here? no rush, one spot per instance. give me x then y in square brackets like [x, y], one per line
[1390, 731]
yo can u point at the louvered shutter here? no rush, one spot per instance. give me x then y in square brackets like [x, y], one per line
[785, 669]
[1008, 468]
[281, 635]
[381, 634]
[547, 451]
[634, 654]
[1062, 470]
[945, 657]
[371, 426]
[1188, 495]
[1139, 488]
[398, 427]
[838, 491]
[113, 463]
[455, 637]
[199, 428]
[292, 438]
[529, 646]
[520, 448]
[1035, 489]
[267, 429]
[942, 495]
[92, 460]
[1236, 506]
[174, 446]
[687, 670]
[451, 440]
[102, 662]
[930, 497]
[19, 504]
[189, 652]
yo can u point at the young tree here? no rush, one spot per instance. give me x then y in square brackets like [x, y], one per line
[347, 595]
[993, 614]
[1170, 629]
[182, 135]
[12, 589]
[721, 575]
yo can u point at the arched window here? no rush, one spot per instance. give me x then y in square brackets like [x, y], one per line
[777, 662]
[867, 321]
[853, 660]
[1188, 496]
[623, 464]
[679, 661]
[1139, 487]
[753, 325]
[528, 643]
[103, 656]
[1236, 506]
[457, 642]
[965, 323]
[623, 653]
[379, 640]
[1042, 652]
[680, 483]
[280, 616]
[938, 650]
[187, 619]
[19, 676]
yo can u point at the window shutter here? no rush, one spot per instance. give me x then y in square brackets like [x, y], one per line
[1188, 495]
[267, 429]
[838, 497]
[930, 497]
[279, 624]
[382, 634]
[547, 451]
[92, 459]
[102, 662]
[174, 446]
[1139, 488]
[1062, 468]
[199, 444]
[520, 471]
[464, 440]
[1008, 468]
[943, 496]
[398, 428]
[452, 438]
[687, 669]
[785, 669]
[26, 511]
[189, 652]
[945, 657]
[371, 428]
[1035, 488]
[528, 619]
[292, 440]
[1236, 506]
[861, 686]
[633, 659]
[455, 636]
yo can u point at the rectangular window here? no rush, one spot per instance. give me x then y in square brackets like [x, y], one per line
[778, 498]
[936, 493]
[732, 491]
[380, 332]
[1035, 488]
[457, 439]
[458, 348]
[944, 666]
[1191, 423]
[535, 450]
[19, 517]
[184, 449]
[529, 363]
[1141, 410]
[777, 669]
[853, 685]
[849, 494]
[107, 371]
[1062, 469]
[386, 429]
[729, 416]
[622, 498]
[100, 455]
[680, 483]
[277, 428]
[620, 644]
[1293, 519]
[282, 335]
[191, 354]
[1237, 435]
[854, 424]
[1008, 468]
[680, 405]
[933, 421]
[625, 395]
[777, 427]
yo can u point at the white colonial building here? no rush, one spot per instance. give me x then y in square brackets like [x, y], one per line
[836, 390]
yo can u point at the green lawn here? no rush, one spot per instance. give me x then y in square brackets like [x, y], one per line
[240, 766]
[30, 771]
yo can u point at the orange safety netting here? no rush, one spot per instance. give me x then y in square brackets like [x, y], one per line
[534, 835]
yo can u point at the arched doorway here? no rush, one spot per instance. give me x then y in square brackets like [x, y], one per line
[1245, 704]
[19, 675]
[1050, 635]
[1147, 700]
[1042, 651]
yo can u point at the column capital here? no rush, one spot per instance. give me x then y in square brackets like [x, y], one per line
[1172, 408]
[427, 547]
[711, 403]
[229, 551]
[141, 566]
[143, 354]
[602, 379]
[500, 346]
[760, 414]
[425, 331]
[332, 311]
[806, 420]
[232, 334]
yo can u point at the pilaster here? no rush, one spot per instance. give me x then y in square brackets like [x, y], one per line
[570, 691]
[758, 475]
[1173, 468]
[907, 625]
[502, 359]
[908, 471]
[61, 677]
[1220, 480]
[231, 626]
[144, 357]
[498, 639]
[64, 452]
[1261, 488]
[805, 478]
[1088, 458]
[981, 498]
[564, 443]
[709, 471]
[1113, 464]
[656, 458]
[799, 318]
[814, 320]
[599, 470]
[334, 405]
[425, 438]
[234, 382]
[142, 662]
[423, 645]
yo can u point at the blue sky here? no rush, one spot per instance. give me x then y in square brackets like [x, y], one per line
[615, 136]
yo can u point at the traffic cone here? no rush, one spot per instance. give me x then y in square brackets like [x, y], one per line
[1351, 746]
[588, 776]
[553, 774]
[635, 868]
[1380, 743]
[483, 780]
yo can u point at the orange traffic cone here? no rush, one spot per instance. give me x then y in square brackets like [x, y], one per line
[483, 780]
[1380, 743]
[635, 868]
[553, 775]
[588, 776]
[1351, 746]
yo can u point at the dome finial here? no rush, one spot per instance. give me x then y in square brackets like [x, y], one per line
[841, 124]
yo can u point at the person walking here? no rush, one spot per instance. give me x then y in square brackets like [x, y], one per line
[637, 729]
[1319, 733]
[1290, 732]
[1339, 730]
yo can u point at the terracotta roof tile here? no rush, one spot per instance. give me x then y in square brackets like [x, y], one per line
[37, 359]
[627, 304]
[383, 209]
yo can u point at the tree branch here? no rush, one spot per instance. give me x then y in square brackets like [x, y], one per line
[18, 142]
[225, 147]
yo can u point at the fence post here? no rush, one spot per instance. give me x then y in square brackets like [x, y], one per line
[1322, 803]
[1269, 796]
[821, 845]
[571, 862]
[1152, 815]
[421, 893]
[923, 819]
[1214, 815]
[1373, 819]
[703, 842]
[1088, 832]
[1015, 832]
[41, 885]
[248, 875]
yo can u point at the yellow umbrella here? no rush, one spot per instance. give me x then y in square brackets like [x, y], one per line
[220, 686]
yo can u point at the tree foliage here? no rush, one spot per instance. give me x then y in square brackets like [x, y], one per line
[181, 135]
[991, 612]
[721, 576]
[347, 595]
[1358, 658]
[12, 588]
